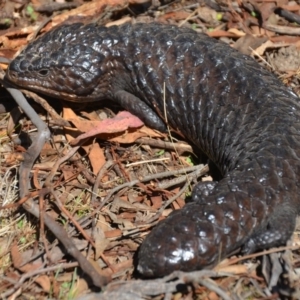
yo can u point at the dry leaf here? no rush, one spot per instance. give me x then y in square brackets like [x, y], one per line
[96, 156]
[101, 241]
[42, 280]
[120, 123]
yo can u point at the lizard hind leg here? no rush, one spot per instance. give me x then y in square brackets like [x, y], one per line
[276, 232]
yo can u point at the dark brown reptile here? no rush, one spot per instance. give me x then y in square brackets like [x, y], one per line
[238, 113]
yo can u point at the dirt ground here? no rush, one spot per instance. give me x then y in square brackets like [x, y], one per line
[104, 196]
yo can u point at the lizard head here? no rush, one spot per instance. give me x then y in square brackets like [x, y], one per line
[67, 62]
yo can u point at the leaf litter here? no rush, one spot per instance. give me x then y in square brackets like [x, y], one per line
[111, 186]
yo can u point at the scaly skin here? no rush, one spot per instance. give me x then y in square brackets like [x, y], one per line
[238, 113]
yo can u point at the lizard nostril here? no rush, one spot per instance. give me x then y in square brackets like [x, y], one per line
[13, 74]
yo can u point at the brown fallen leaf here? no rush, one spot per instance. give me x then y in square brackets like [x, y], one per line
[248, 42]
[96, 156]
[174, 15]
[88, 10]
[223, 33]
[234, 269]
[42, 280]
[101, 241]
[156, 201]
[14, 39]
[94, 151]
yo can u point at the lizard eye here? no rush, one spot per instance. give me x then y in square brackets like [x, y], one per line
[43, 72]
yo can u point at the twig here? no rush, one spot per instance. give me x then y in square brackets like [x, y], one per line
[62, 236]
[30, 206]
[213, 287]
[41, 270]
[265, 252]
[34, 150]
[58, 163]
[57, 119]
[282, 29]
[116, 167]
[147, 161]
[180, 147]
[167, 203]
[288, 15]
[167, 284]
[70, 217]
[145, 179]
[197, 173]
[55, 6]
[100, 174]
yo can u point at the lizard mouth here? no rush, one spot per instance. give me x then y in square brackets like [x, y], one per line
[12, 79]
